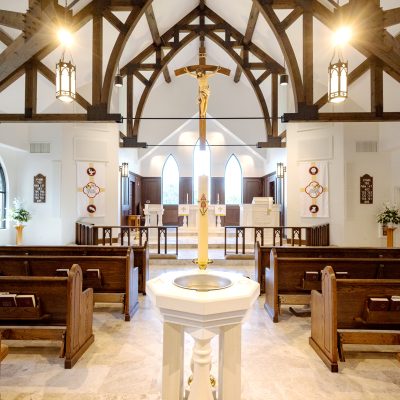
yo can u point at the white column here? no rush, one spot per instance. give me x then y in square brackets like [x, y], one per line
[172, 373]
[229, 379]
[201, 388]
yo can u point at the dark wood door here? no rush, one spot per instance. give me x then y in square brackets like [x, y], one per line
[252, 187]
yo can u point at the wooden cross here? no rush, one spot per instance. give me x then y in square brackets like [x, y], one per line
[202, 71]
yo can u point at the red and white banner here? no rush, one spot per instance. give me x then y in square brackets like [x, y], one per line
[314, 197]
[91, 179]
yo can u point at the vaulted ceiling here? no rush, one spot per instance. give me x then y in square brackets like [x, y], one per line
[149, 39]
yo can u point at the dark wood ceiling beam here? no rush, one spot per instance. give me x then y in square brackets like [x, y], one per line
[263, 77]
[57, 118]
[293, 68]
[155, 34]
[51, 77]
[344, 117]
[118, 48]
[97, 57]
[30, 89]
[353, 76]
[114, 21]
[129, 105]
[251, 25]
[292, 17]
[391, 17]
[268, 61]
[12, 19]
[308, 55]
[5, 37]
[274, 104]
[253, 81]
[376, 86]
[164, 62]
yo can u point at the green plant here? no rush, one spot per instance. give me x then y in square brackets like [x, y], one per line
[390, 215]
[18, 213]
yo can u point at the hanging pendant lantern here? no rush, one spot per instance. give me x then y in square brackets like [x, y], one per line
[118, 80]
[338, 82]
[283, 79]
[65, 81]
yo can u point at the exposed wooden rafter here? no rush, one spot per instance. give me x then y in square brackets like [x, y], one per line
[151, 20]
[251, 26]
[233, 39]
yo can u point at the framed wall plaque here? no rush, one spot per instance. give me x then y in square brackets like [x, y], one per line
[366, 189]
[39, 189]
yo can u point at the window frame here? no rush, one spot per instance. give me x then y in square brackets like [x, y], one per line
[233, 155]
[3, 206]
[162, 179]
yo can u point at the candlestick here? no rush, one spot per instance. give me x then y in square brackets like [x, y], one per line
[202, 247]
[187, 198]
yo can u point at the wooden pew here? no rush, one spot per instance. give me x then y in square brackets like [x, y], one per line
[118, 281]
[140, 259]
[284, 278]
[262, 255]
[65, 313]
[340, 315]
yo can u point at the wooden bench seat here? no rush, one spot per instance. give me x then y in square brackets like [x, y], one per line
[140, 258]
[340, 315]
[118, 278]
[64, 313]
[284, 279]
[262, 255]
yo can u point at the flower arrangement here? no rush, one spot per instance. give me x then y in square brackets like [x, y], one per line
[390, 215]
[18, 214]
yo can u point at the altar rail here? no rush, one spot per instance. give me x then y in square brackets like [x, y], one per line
[90, 234]
[317, 235]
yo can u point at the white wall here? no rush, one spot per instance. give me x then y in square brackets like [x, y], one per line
[152, 162]
[351, 223]
[53, 222]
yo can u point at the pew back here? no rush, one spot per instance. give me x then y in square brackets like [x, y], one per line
[63, 312]
[340, 315]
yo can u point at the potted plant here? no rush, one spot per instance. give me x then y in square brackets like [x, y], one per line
[389, 216]
[19, 215]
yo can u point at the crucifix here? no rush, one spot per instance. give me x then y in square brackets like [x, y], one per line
[202, 71]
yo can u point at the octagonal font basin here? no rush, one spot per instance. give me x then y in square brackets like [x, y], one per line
[202, 282]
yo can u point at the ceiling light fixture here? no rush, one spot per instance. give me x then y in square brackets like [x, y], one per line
[118, 80]
[65, 71]
[284, 78]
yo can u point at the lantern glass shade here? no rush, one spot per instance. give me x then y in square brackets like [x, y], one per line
[338, 82]
[283, 79]
[125, 170]
[280, 170]
[118, 80]
[65, 81]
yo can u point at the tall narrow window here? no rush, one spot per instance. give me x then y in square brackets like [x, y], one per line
[170, 181]
[201, 166]
[233, 181]
[3, 196]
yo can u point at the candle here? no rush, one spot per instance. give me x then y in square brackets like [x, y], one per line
[218, 198]
[187, 198]
[202, 247]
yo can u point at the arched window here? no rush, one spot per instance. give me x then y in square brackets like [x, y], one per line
[170, 181]
[201, 166]
[3, 197]
[233, 181]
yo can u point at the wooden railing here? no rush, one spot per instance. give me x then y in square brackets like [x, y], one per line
[90, 234]
[317, 235]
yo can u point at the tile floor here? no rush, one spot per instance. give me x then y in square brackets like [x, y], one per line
[125, 362]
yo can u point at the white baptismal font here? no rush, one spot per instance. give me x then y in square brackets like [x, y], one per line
[203, 304]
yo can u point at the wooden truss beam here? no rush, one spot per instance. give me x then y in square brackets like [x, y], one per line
[391, 17]
[155, 34]
[251, 26]
[233, 39]
[12, 19]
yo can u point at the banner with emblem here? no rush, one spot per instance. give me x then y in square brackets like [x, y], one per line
[91, 179]
[314, 197]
